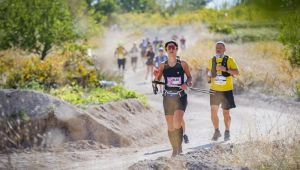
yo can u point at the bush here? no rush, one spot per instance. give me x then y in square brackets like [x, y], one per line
[253, 35]
[80, 96]
[290, 37]
[298, 91]
[72, 65]
[220, 28]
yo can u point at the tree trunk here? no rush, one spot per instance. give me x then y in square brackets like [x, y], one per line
[47, 47]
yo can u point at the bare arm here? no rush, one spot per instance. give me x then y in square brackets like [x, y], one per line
[233, 72]
[160, 72]
[186, 69]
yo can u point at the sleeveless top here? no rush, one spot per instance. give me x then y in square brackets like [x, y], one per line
[174, 76]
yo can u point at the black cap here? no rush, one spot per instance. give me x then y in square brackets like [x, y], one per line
[171, 42]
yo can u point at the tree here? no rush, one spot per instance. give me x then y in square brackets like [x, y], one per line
[174, 6]
[290, 23]
[35, 25]
[138, 5]
[290, 37]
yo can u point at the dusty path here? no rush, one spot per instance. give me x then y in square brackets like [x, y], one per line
[255, 116]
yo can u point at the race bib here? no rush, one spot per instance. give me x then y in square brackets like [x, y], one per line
[173, 81]
[220, 80]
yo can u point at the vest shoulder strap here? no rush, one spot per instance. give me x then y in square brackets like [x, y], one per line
[214, 67]
[224, 63]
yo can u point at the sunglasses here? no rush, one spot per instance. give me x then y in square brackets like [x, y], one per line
[171, 47]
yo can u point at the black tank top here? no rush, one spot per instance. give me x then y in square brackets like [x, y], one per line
[174, 76]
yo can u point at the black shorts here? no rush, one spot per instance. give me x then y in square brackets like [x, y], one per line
[121, 63]
[225, 98]
[171, 104]
[133, 60]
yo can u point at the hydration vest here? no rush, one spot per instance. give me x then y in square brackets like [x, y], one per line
[173, 72]
[214, 66]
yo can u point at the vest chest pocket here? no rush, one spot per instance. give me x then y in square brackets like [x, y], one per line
[220, 80]
[173, 81]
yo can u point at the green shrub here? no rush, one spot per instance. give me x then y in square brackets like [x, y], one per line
[298, 91]
[72, 65]
[22, 116]
[80, 96]
[220, 28]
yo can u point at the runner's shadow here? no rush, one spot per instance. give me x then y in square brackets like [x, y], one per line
[156, 152]
[207, 146]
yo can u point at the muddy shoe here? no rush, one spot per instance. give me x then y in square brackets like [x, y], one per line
[216, 136]
[185, 138]
[226, 135]
[180, 150]
[174, 153]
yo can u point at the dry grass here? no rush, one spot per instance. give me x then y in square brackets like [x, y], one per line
[278, 149]
[263, 65]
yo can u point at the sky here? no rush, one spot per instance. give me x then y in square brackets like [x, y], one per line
[218, 4]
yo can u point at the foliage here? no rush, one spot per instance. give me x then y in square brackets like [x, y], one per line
[290, 37]
[252, 35]
[79, 96]
[240, 16]
[219, 28]
[22, 116]
[179, 6]
[298, 90]
[139, 6]
[290, 19]
[35, 26]
[86, 23]
[70, 66]
[272, 5]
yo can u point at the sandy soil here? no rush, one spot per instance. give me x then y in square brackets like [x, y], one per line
[255, 115]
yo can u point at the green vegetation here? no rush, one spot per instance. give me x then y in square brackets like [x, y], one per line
[298, 90]
[219, 28]
[71, 65]
[22, 116]
[35, 27]
[252, 35]
[290, 37]
[80, 96]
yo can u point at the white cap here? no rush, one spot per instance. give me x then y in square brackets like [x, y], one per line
[221, 42]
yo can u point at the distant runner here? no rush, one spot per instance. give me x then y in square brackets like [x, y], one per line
[134, 52]
[175, 98]
[143, 46]
[120, 54]
[157, 61]
[149, 62]
[155, 44]
[219, 72]
[182, 43]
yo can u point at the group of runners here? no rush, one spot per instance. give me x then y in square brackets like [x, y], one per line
[161, 60]
[177, 79]
[151, 54]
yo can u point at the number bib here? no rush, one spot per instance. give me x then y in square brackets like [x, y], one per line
[220, 80]
[173, 81]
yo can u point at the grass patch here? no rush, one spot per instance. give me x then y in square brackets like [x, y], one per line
[252, 35]
[263, 65]
[79, 96]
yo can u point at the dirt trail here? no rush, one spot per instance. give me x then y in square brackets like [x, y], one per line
[248, 119]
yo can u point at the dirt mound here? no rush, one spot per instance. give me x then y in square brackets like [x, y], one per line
[201, 158]
[31, 119]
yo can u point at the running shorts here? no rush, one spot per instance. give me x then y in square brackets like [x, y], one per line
[173, 103]
[225, 98]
